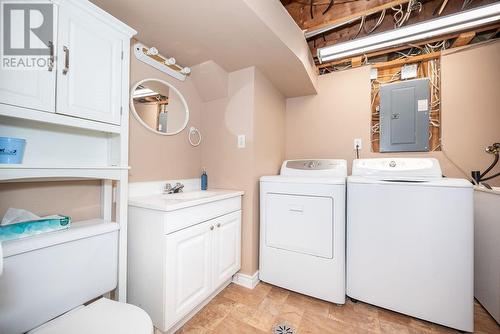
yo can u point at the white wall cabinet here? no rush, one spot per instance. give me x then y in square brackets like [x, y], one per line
[86, 78]
[89, 67]
[29, 89]
[171, 274]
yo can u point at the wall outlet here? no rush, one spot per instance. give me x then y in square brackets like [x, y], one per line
[241, 141]
[358, 143]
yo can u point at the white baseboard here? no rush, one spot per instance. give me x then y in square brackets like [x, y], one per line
[247, 281]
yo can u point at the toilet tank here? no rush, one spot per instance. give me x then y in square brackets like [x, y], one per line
[47, 275]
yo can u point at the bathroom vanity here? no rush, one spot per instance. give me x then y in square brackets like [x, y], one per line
[183, 248]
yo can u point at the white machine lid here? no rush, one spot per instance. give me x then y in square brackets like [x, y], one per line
[322, 168]
[398, 168]
[103, 316]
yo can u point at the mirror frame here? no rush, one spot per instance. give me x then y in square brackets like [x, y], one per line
[138, 118]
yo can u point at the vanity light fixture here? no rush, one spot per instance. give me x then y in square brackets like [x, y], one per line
[446, 25]
[169, 66]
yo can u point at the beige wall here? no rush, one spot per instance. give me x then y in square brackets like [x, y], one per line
[156, 157]
[269, 150]
[79, 200]
[471, 105]
[227, 166]
[324, 125]
[148, 112]
[255, 109]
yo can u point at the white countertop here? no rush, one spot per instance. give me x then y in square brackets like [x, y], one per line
[171, 202]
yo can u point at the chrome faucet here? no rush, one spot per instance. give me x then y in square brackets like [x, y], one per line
[177, 188]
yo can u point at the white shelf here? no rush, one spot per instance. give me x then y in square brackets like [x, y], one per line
[77, 230]
[21, 173]
[58, 119]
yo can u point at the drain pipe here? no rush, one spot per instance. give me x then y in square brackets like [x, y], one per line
[477, 176]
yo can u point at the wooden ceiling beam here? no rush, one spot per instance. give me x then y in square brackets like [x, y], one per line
[463, 39]
[357, 61]
[409, 60]
[335, 23]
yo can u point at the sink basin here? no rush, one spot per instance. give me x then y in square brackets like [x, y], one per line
[190, 195]
[171, 202]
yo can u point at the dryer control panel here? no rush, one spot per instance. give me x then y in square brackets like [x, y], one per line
[314, 168]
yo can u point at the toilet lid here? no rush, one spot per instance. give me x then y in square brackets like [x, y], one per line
[103, 316]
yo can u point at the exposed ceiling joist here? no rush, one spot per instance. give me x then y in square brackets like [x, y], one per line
[339, 22]
[463, 39]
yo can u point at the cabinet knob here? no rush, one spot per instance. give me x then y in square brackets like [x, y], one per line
[218, 225]
[211, 228]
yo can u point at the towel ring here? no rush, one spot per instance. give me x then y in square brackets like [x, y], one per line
[194, 131]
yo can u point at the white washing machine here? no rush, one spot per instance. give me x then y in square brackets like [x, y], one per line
[410, 240]
[302, 228]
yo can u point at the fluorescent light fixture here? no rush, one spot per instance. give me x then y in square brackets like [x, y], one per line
[143, 92]
[421, 31]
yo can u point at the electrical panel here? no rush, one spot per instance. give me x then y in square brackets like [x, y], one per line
[404, 116]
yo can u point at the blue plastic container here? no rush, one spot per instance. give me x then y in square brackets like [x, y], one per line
[11, 150]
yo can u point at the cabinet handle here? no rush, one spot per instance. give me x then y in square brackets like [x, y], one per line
[51, 56]
[218, 225]
[66, 60]
[211, 228]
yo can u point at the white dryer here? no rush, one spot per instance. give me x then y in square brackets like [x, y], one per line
[302, 228]
[410, 240]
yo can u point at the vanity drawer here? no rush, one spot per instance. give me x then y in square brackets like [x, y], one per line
[182, 218]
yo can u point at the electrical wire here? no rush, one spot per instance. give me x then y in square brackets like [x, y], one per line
[362, 23]
[466, 4]
[377, 24]
[401, 16]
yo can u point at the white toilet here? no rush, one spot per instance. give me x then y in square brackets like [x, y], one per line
[46, 280]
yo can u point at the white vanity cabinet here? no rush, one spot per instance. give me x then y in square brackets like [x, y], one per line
[227, 248]
[178, 259]
[199, 260]
[87, 76]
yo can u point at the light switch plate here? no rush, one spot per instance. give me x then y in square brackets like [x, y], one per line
[241, 141]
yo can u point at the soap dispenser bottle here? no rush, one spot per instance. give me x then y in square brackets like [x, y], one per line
[204, 180]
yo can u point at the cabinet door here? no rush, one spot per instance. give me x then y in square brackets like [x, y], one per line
[227, 247]
[31, 88]
[90, 67]
[188, 270]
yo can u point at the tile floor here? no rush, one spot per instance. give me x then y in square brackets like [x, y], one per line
[239, 310]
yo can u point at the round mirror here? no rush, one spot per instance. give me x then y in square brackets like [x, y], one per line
[159, 106]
